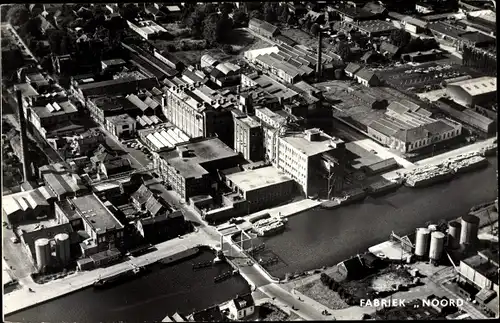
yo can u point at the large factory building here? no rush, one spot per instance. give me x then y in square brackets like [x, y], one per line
[473, 92]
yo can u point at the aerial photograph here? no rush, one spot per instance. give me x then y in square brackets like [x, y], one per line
[249, 161]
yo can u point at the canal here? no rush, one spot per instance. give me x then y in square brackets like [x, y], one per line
[319, 237]
[150, 298]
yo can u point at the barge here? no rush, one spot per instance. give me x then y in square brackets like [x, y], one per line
[120, 278]
[436, 175]
[269, 227]
[350, 197]
[186, 254]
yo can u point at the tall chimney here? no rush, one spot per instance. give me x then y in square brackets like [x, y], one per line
[319, 63]
[24, 139]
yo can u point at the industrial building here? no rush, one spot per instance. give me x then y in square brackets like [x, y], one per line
[307, 156]
[28, 205]
[147, 29]
[467, 116]
[51, 115]
[121, 126]
[197, 110]
[163, 139]
[187, 168]
[366, 77]
[372, 28]
[473, 92]
[262, 187]
[248, 136]
[407, 128]
[349, 14]
[169, 59]
[263, 28]
[481, 271]
[351, 69]
[420, 57]
[103, 229]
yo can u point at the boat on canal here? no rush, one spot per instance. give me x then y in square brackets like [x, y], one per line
[122, 277]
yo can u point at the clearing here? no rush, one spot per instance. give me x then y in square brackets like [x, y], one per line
[322, 294]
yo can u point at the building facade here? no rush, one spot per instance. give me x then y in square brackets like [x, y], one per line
[248, 137]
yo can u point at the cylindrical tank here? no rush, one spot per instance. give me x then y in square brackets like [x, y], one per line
[42, 251]
[470, 227]
[437, 245]
[62, 248]
[454, 235]
[422, 242]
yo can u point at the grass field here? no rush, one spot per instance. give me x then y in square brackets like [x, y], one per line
[269, 312]
[322, 294]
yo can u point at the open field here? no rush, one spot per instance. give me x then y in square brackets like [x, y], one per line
[270, 312]
[322, 294]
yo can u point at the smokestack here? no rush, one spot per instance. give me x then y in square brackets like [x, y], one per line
[319, 63]
[24, 139]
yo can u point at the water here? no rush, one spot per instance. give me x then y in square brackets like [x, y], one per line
[321, 237]
[150, 298]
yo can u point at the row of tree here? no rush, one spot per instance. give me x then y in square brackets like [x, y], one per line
[205, 22]
[336, 287]
[402, 39]
[481, 59]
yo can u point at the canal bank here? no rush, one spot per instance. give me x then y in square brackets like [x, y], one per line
[164, 291]
[318, 238]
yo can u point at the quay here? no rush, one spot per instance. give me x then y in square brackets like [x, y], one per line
[20, 299]
[288, 210]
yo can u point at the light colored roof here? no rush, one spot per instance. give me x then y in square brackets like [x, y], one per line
[478, 86]
[137, 102]
[95, 213]
[258, 178]
[53, 109]
[308, 148]
[122, 119]
[23, 201]
[488, 15]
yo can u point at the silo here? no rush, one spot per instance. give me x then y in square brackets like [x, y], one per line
[62, 248]
[42, 251]
[470, 225]
[422, 242]
[454, 235]
[437, 245]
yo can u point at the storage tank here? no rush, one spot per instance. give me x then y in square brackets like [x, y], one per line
[470, 226]
[63, 248]
[42, 251]
[422, 242]
[437, 245]
[454, 235]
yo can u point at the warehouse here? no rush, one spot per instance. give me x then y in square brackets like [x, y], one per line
[263, 28]
[420, 57]
[473, 92]
[262, 187]
[375, 28]
[163, 139]
[466, 116]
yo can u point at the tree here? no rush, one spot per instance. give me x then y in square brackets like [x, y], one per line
[256, 14]
[17, 15]
[224, 28]
[270, 12]
[32, 27]
[228, 49]
[253, 6]
[210, 28]
[196, 22]
[240, 18]
[129, 11]
[314, 29]
[283, 16]
[343, 50]
[292, 20]
[209, 9]
[227, 7]
[400, 38]
[307, 24]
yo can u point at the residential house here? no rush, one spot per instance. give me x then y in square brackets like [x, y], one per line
[211, 314]
[263, 28]
[367, 77]
[352, 69]
[108, 164]
[389, 50]
[241, 307]
[156, 14]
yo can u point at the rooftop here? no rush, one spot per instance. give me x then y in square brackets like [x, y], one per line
[310, 148]
[54, 109]
[483, 266]
[258, 178]
[478, 86]
[27, 200]
[201, 152]
[93, 211]
[122, 119]
[375, 26]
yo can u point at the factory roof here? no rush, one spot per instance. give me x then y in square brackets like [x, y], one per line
[286, 40]
[306, 147]
[388, 47]
[199, 153]
[365, 74]
[23, 201]
[483, 266]
[354, 12]
[95, 213]
[134, 99]
[113, 62]
[122, 119]
[446, 29]
[491, 254]
[269, 28]
[487, 15]
[414, 21]
[258, 178]
[30, 237]
[69, 212]
[26, 89]
[374, 26]
[477, 86]
[476, 37]
[250, 121]
[54, 109]
[62, 182]
[273, 87]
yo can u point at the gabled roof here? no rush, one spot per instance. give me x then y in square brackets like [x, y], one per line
[365, 74]
[352, 68]
[211, 314]
[142, 195]
[354, 267]
[388, 47]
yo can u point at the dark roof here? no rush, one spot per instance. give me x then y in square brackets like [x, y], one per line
[354, 12]
[244, 301]
[30, 237]
[211, 314]
[484, 267]
[271, 29]
[446, 29]
[477, 38]
[354, 267]
[142, 195]
[286, 40]
[374, 8]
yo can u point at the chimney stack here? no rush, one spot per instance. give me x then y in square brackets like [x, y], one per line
[319, 62]
[24, 139]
